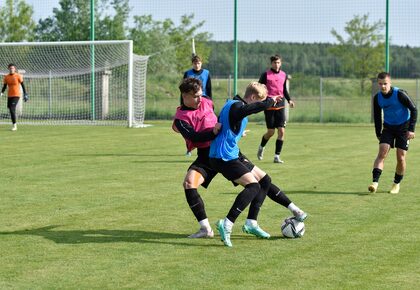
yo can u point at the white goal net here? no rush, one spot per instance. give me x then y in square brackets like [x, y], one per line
[84, 83]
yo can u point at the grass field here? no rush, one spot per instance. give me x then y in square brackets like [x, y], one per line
[103, 208]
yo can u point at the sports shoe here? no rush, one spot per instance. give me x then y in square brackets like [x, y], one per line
[188, 154]
[277, 159]
[14, 127]
[260, 153]
[300, 215]
[373, 187]
[395, 188]
[224, 233]
[202, 233]
[256, 231]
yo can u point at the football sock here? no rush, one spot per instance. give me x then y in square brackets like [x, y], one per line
[228, 224]
[293, 207]
[277, 195]
[204, 224]
[398, 178]
[243, 199]
[279, 146]
[257, 202]
[251, 223]
[376, 173]
[196, 203]
[263, 142]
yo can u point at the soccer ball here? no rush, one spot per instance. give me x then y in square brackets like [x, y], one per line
[292, 228]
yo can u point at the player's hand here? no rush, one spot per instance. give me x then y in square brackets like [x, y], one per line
[277, 98]
[1, 94]
[217, 128]
[25, 98]
[245, 132]
[291, 104]
[410, 135]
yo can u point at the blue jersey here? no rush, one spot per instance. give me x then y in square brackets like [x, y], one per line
[225, 146]
[395, 113]
[203, 77]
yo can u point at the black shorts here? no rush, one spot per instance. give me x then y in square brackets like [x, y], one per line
[395, 136]
[12, 102]
[275, 118]
[202, 165]
[232, 169]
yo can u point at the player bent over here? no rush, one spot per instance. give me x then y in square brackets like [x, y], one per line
[197, 123]
[13, 80]
[226, 159]
[399, 121]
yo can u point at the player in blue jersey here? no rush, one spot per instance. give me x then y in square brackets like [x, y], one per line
[200, 73]
[399, 121]
[226, 158]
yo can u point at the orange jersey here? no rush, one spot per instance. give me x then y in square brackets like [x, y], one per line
[13, 82]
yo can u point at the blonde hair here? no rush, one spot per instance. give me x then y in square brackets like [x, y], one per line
[257, 89]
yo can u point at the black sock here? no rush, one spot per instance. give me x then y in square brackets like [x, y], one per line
[376, 173]
[243, 199]
[196, 203]
[279, 145]
[263, 142]
[257, 202]
[398, 178]
[277, 195]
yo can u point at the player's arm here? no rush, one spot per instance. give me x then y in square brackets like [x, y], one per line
[3, 88]
[263, 78]
[188, 132]
[377, 116]
[240, 110]
[208, 88]
[405, 99]
[287, 95]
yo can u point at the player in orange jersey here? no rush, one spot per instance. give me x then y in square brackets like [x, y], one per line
[13, 81]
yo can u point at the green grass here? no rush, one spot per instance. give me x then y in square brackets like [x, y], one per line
[103, 208]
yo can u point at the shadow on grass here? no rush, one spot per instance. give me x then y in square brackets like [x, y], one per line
[128, 155]
[325, 192]
[108, 236]
[310, 192]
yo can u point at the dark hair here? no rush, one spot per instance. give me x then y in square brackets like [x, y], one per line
[190, 85]
[383, 75]
[275, 57]
[11, 64]
[195, 58]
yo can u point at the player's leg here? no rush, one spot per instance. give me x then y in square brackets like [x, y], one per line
[251, 225]
[269, 121]
[401, 144]
[378, 166]
[11, 105]
[192, 181]
[235, 171]
[281, 129]
[386, 141]
[278, 196]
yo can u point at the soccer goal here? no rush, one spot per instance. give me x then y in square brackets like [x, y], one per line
[83, 82]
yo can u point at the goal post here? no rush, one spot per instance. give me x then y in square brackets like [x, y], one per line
[79, 82]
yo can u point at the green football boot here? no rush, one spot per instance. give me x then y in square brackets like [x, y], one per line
[224, 233]
[256, 231]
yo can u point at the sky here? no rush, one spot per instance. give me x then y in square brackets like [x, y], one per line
[276, 20]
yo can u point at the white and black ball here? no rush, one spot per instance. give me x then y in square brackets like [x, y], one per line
[292, 228]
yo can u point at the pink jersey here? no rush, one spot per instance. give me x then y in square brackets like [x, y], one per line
[202, 119]
[275, 84]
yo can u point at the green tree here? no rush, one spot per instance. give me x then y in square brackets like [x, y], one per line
[16, 22]
[361, 51]
[169, 45]
[71, 21]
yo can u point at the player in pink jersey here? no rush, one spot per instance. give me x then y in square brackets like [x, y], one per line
[197, 123]
[275, 80]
